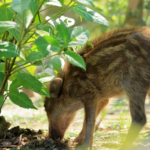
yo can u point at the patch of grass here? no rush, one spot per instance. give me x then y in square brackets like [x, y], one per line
[72, 134]
[108, 139]
[124, 123]
[143, 136]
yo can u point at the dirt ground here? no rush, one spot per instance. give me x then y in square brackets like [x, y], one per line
[109, 136]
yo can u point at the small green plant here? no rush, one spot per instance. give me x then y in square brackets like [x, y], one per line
[72, 134]
[143, 136]
[124, 122]
[26, 39]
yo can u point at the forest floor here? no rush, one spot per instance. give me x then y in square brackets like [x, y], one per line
[29, 128]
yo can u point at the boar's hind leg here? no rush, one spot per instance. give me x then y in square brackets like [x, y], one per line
[136, 92]
[80, 138]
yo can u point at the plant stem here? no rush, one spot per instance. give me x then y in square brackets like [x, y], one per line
[5, 12]
[32, 20]
[28, 29]
[3, 85]
[3, 103]
[32, 64]
[21, 69]
[7, 74]
[28, 38]
[11, 66]
[18, 66]
[54, 16]
[51, 56]
[45, 8]
[59, 13]
[39, 17]
[8, 66]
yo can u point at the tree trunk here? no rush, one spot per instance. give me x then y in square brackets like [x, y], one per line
[134, 15]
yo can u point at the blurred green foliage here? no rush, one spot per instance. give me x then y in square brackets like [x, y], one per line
[115, 12]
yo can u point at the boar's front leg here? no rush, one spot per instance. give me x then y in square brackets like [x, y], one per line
[90, 116]
[101, 105]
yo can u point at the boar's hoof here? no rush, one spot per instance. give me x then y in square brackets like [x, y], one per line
[79, 139]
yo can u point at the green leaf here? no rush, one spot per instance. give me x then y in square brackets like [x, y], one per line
[52, 22]
[44, 77]
[68, 21]
[8, 49]
[47, 29]
[31, 69]
[30, 82]
[14, 33]
[75, 59]
[53, 2]
[42, 33]
[63, 31]
[38, 63]
[46, 44]
[56, 63]
[90, 15]
[6, 14]
[4, 5]
[21, 99]
[34, 56]
[90, 44]
[6, 25]
[33, 6]
[2, 76]
[44, 27]
[61, 1]
[14, 85]
[1, 100]
[14, 76]
[86, 2]
[27, 17]
[2, 67]
[80, 34]
[19, 5]
[37, 21]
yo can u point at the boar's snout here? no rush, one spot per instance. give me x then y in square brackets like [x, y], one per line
[55, 134]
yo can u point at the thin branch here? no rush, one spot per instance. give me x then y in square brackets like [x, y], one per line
[46, 8]
[32, 20]
[54, 16]
[59, 13]
[39, 17]
[14, 69]
[3, 84]
[21, 69]
[3, 102]
[28, 38]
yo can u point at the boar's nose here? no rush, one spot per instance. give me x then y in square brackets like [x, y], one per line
[56, 135]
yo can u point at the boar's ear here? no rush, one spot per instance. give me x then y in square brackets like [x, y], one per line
[55, 87]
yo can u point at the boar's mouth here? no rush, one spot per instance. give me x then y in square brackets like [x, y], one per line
[56, 135]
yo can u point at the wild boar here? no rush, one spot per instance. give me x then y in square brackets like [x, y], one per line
[118, 64]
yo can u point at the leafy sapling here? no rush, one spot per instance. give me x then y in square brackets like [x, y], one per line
[26, 39]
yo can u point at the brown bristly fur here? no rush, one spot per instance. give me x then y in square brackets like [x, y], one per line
[118, 63]
[110, 39]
